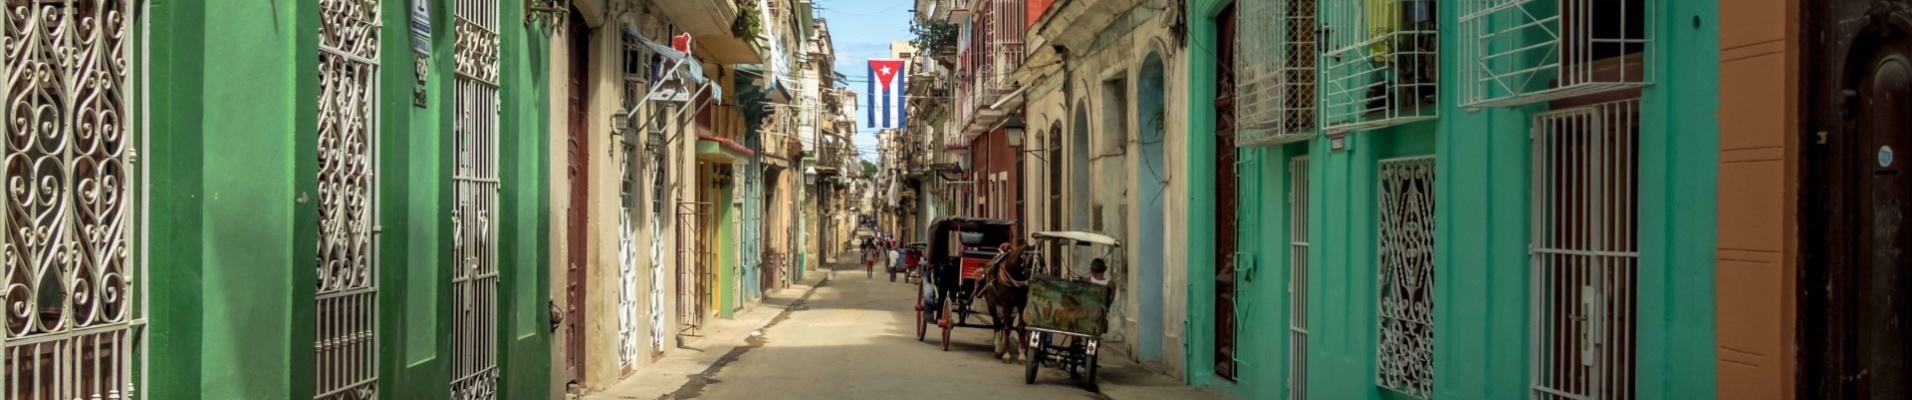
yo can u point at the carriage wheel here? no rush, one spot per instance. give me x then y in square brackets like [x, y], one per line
[946, 325]
[1033, 357]
[1088, 382]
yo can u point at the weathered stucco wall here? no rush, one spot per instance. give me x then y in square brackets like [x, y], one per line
[1103, 70]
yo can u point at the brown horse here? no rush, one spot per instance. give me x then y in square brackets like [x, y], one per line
[1005, 284]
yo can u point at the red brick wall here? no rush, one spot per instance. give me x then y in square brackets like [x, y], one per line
[990, 155]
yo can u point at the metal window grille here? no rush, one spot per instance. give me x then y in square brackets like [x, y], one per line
[347, 279]
[1585, 251]
[1528, 51]
[1381, 63]
[1275, 72]
[75, 302]
[474, 363]
[1406, 277]
[1298, 278]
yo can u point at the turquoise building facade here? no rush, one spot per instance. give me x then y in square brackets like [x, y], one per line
[1319, 269]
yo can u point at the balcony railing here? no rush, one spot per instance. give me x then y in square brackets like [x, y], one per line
[988, 61]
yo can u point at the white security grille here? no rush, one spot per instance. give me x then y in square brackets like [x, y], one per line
[628, 186]
[74, 300]
[658, 214]
[1406, 277]
[1381, 63]
[474, 368]
[1298, 278]
[1585, 251]
[1525, 51]
[347, 295]
[1275, 72]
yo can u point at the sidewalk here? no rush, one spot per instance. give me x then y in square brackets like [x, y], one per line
[1126, 380]
[715, 346]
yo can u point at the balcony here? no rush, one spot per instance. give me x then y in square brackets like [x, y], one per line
[708, 21]
[987, 65]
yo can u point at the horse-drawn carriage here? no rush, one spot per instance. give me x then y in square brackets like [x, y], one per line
[1066, 317]
[960, 256]
[914, 257]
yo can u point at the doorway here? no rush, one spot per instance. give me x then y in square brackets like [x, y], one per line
[1151, 177]
[1226, 200]
[1855, 282]
[577, 170]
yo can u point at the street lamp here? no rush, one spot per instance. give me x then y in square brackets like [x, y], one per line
[810, 176]
[1012, 131]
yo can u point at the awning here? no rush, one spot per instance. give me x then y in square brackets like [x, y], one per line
[722, 151]
[1090, 237]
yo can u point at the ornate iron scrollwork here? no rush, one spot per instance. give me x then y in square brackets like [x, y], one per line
[546, 14]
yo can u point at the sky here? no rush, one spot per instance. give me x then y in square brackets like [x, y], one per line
[861, 30]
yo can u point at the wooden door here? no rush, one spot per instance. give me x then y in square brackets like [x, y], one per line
[578, 172]
[1225, 196]
[1856, 290]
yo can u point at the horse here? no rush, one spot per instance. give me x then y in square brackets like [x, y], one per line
[1005, 284]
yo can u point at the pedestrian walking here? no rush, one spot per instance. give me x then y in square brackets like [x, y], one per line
[869, 260]
[896, 263]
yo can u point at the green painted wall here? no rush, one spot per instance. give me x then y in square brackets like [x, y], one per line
[1198, 331]
[1483, 190]
[415, 246]
[524, 283]
[233, 168]
[224, 262]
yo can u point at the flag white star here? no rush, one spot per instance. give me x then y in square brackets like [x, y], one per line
[885, 70]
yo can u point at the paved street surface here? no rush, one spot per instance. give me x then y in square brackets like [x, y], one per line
[851, 338]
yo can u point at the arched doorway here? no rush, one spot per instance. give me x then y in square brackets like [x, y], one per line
[1151, 178]
[1854, 289]
[1079, 194]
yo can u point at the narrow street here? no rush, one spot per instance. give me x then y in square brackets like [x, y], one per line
[852, 338]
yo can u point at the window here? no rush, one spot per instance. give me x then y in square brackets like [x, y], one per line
[1380, 63]
[1406, 277]
[1585, 251]
[1528, 51]
[1275, 72]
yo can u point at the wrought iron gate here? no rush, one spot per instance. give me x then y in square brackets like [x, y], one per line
[690, 268]
[1406, 276]
[1298, 278]
[1227, 197]
[474, 367]
[1585, 251]
[347, 279]
[74, 318]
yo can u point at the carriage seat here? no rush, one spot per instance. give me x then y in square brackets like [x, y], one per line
[974, 260]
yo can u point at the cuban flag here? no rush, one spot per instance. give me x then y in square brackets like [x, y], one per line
[886, 94]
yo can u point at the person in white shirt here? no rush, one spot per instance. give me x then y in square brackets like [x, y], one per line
[1099, 272]
[896, 259]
